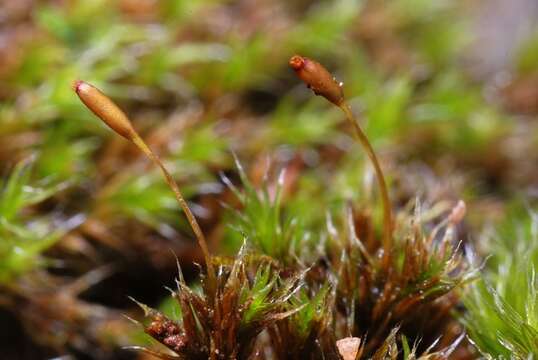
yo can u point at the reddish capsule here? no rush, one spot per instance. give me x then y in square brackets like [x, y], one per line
[317, 78]
[105, 109]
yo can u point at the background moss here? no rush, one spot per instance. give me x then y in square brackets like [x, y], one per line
[202, 79]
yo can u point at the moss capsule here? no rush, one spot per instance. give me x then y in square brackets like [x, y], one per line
[105, 109]
[317, 78]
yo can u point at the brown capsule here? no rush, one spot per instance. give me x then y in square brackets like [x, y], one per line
[317, 78]
[105, 109]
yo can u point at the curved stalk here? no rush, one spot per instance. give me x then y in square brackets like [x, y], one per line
[137, 140]
[319, 80]
[387, 212]
[116, 119]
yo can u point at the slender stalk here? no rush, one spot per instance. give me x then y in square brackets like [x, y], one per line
[387, 212]
[118, 121]
[319, 80]
[139, 142]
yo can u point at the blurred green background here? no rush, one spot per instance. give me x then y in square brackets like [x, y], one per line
[447, 92]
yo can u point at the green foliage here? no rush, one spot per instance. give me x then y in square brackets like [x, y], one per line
[257, 296]
[527, 58]
[502, 318]
[311, 125]
[323, 26]
[308, 333]
[316, 309]
[145, 197]
[23, 239]
[261, 221]
[388, 104]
